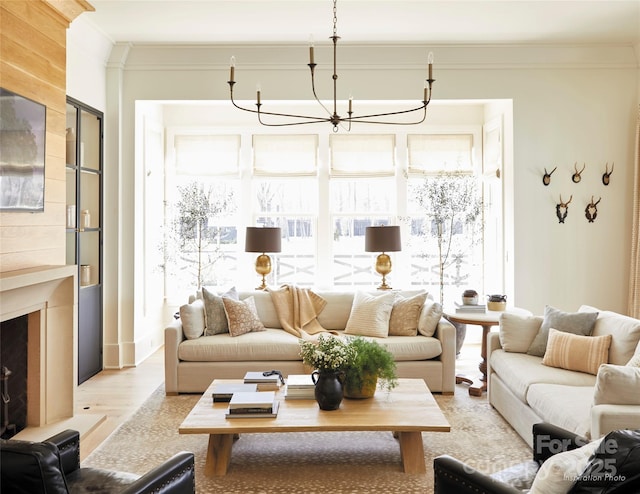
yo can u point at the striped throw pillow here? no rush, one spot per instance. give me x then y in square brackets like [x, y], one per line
[576, 352]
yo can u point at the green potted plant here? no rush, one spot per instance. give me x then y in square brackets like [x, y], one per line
[372, 362]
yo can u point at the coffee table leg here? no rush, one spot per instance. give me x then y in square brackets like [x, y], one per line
[218, 454]
[412, 452]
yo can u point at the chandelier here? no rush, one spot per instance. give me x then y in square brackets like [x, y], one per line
[333, 117]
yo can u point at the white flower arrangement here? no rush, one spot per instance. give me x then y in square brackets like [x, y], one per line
[328, 353]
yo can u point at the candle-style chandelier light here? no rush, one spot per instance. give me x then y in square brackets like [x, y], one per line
[333, 117]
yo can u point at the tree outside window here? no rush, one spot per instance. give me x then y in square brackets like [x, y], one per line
[451, 226]
[195, 237]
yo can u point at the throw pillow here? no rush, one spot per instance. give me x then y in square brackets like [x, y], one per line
[242, 316]
[192, 317]
[617, 385]
[558, 474]
[215, 317]
[405, 315]
[635, 361]
[429, 318]
[571, 322]
[517, 332]
[575, 352]
[370, 315]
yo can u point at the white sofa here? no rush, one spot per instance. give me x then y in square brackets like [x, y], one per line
[191, 364]
[526, 391]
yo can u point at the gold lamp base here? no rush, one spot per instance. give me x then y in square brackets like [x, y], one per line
[383, 267]
[263, 267]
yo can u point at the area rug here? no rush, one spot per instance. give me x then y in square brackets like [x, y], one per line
[336, 462]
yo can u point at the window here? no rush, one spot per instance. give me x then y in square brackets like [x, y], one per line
[201, 237]
[362, 194]
[285, 191]
[323, 191]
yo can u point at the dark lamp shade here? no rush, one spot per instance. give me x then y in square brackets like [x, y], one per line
[382, 239]
[263, 239]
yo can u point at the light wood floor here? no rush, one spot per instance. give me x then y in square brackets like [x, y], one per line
[117, 394]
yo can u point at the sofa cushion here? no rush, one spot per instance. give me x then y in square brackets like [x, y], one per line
[566, 406]
[405, 315]
[242, 316]
[519, 371]
[370, 315]
[624, 329]
[215, 317]
[264, 306]
[429, 318]
[193, 319]
[572, 322]
[517, 332]
[558, 474]
[617, 385]
[408, 348]
[271, 344]
[575, 352]
[336, 314]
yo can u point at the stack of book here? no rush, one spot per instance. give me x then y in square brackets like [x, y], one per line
[222, 392]
[270, 382]
[470, 308]
[299, 387]
[257, 404]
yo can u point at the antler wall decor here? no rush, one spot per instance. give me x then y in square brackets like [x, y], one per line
[607, 173]
[546, 178]
[562, 209]
[591, 211]
[576, 177]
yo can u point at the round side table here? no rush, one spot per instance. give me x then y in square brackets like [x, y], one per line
[486, 320]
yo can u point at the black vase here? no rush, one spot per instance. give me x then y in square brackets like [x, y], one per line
[328, 390]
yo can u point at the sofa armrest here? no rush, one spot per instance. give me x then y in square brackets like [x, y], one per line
[606, 418]
[173, 336]
[446, 333]
[549, 440]
[451, 475]
[68, 443]
[174, 476]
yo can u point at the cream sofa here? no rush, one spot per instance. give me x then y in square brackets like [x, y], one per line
[191, 364]
[526, 391]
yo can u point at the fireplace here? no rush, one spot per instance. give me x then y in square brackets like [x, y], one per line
[13, 375]
[46, 297]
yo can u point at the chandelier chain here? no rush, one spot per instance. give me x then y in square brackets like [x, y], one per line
[335, 18]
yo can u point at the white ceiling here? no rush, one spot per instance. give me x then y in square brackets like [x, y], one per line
[369, 21]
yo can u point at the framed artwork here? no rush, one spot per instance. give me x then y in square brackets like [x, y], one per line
[22, 151]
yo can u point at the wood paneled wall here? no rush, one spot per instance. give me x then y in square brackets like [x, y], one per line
[33, 64]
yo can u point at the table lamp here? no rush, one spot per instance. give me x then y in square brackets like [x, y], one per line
[263, 239]
[382, 239]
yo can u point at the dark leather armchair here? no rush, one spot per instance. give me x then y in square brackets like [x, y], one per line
[453, 476]
[53, 467]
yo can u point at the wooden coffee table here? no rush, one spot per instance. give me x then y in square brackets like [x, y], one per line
[408, 410]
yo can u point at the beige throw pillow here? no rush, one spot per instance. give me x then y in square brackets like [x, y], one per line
[517, 332]
[405, 315]
[429, 318]
[617, 385]
[192, 317]
[370, 315]
[242, 316]
[575, 352]
[558, 473]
